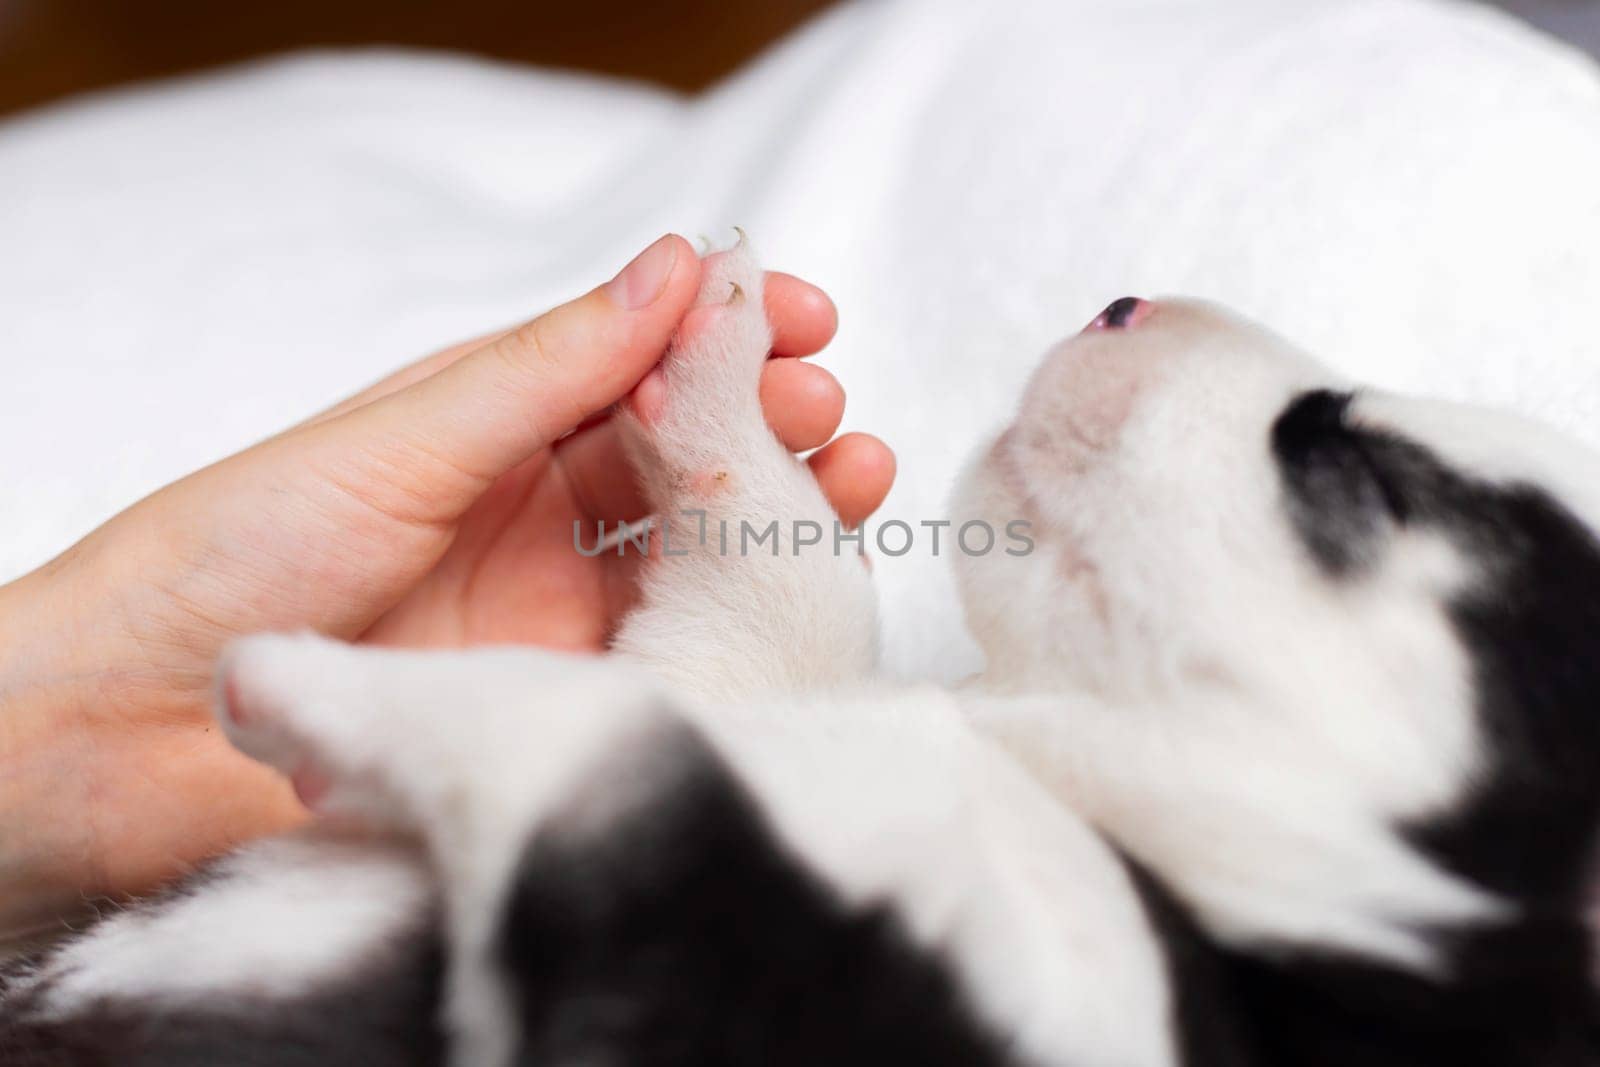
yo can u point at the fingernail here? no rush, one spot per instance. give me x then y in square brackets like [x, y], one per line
[642, 280]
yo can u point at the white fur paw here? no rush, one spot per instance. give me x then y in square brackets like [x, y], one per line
[298, 703]
[699, 412]
[422, 740]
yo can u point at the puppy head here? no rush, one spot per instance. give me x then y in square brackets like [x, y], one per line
[1214, 512]
[1142, 460]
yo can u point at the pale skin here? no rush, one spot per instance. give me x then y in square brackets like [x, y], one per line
[434, 509]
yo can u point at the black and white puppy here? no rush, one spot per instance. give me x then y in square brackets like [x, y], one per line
[1288, 753]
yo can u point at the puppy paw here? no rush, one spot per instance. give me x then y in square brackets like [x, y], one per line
[698, 414]
[284, 700]
[424, 740]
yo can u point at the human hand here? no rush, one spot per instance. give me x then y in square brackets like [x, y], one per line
[436, 508]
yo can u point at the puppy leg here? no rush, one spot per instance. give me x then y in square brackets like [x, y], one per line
[747, 588]
[623, 875]
[471, 750]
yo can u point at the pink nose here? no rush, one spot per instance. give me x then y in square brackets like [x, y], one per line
[1123, 313]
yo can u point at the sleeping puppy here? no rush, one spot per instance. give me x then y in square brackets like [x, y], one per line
[1286, 754]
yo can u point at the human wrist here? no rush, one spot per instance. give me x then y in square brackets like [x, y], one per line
[112, 781]
[46, 837]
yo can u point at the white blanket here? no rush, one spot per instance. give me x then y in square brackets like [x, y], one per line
[1410, 188]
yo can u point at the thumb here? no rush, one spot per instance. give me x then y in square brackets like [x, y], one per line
[495, 407]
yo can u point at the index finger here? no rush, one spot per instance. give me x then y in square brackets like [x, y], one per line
[803, 321]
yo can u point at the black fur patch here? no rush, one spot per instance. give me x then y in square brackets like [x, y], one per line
[1339, 499]
[1520, 992]
[685, 934]
[1210, 1028]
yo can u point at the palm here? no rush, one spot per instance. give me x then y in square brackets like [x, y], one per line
[512, 575]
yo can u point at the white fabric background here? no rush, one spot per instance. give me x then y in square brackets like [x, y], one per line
[1411, 188]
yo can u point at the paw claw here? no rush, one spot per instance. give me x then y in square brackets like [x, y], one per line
[702, 245]
[741, 242]
[737, 296]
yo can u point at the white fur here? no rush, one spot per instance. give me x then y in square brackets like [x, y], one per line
[274, 920]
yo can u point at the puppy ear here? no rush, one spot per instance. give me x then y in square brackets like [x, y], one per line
[1338, 496]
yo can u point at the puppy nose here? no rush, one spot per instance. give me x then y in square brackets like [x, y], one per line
[1121, 314]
